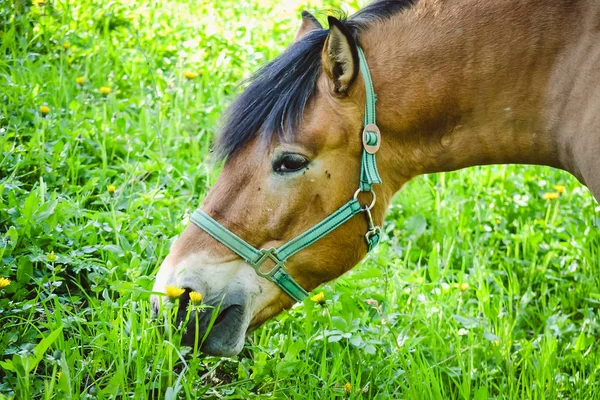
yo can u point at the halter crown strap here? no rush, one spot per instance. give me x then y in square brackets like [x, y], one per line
[371, 138]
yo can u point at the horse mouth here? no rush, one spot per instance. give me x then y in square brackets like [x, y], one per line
[226, 336]
[222, 335]
[232, 311]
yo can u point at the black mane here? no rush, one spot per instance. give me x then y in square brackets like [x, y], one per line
[275, 99]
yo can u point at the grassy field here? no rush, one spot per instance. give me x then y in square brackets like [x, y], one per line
[482, 288]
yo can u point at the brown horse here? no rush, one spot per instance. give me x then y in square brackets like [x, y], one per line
[459, 83]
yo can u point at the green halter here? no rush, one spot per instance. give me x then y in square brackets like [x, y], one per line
[371, 138]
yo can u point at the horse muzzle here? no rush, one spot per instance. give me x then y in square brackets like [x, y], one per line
[232, 292]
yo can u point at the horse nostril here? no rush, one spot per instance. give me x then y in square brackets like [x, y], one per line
[184, 301]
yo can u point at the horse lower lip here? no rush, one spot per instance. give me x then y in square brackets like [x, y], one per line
[226, 336]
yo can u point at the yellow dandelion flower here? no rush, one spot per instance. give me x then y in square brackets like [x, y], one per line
[80, 80]
[551, 196]
[196, 298]
[66, 46]
[463, 287]
[44, 110]
[560, 188]
[51, 256]
[105, 90]
[190, 75]
[347, 388]
[173, 292]
[4, 282]
[111, 189]
[38, 2]
[319, 298]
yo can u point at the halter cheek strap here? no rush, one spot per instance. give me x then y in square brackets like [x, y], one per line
[371, 135]
[371, 138]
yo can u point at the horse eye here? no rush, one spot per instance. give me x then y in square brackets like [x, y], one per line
[290, 162]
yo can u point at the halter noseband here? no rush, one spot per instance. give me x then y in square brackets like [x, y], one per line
[371, 139]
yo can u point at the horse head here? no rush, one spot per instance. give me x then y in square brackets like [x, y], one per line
[292, 145]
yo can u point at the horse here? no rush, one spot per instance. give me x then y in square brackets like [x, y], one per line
[458, 83]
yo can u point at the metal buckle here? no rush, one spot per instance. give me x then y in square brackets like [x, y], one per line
[268, 254]
[371, 149]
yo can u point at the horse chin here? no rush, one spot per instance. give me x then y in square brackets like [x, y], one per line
[272, 309]
[221, 349]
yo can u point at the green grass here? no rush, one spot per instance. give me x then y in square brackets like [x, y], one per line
[481, 288]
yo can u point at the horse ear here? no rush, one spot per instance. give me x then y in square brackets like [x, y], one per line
[309, 23]
[340, 57]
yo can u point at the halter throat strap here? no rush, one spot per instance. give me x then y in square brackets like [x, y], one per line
[259, 259]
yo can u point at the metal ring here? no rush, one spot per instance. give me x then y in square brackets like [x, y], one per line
[370, 207]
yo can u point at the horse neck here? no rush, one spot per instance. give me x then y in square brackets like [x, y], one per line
[463, 83]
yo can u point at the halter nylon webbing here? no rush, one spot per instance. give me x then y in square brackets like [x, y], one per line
[278, 256]
[368, 170]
